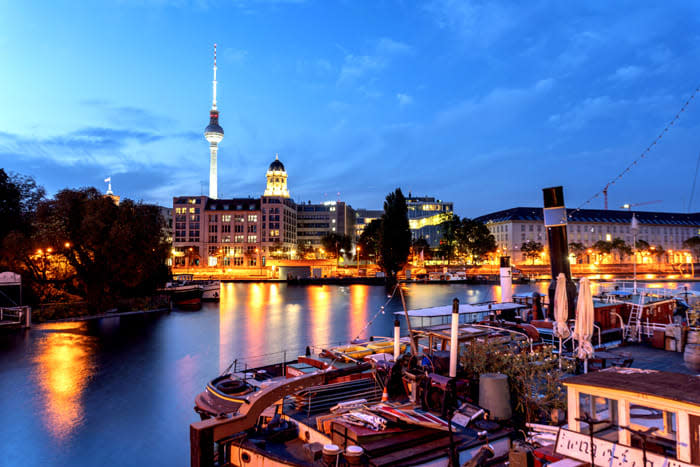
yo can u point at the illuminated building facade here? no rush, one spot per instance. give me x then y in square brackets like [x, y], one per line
[235, 232]
[515, 226]
[425, 215]
[363, 217]
[279, 213]
[217, 232]
[314, 221]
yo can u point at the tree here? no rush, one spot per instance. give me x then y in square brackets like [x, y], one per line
[657, 251]
[448, 242]
[532, 250]
[371, 239]
[578, 249]
[642, 245]
[332, 243]
[602, 247]
[621, 247]
[475, 239]
[115, 251]
[693, 244]
[19, 197]
[420, 246]
[304, 248]
[396, 235]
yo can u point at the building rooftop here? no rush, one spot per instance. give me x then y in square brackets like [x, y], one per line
[233, 204]
[663, 384]
[596, 215]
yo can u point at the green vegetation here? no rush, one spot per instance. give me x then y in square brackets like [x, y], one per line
[534, 377]
[577, 249]
[395, 240]
[332, 243]
[466, 238]
[80, 246]
[693, 244]
[532, 250]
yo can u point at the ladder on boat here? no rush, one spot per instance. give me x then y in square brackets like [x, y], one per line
[633, 330]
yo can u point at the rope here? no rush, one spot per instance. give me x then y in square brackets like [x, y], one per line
[253, 358]
[695, 179]
[643, 154]
[381, 311]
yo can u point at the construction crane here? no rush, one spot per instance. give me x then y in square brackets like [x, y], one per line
[630, 206]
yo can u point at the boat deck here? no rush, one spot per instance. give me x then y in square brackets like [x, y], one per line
[648, 358]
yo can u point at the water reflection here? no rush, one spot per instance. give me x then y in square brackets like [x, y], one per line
[255, 307]
[320, 306]
[64, 364]
[358, 308]
[227, 324]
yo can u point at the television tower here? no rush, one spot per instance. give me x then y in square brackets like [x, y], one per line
[214, 134]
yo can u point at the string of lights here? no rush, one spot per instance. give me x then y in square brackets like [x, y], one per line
[644, 153]
[379, 312]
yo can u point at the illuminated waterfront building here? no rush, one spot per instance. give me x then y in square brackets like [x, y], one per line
[363, 217]
[425, 215]
[664, 231]
[279, 214]
[217, 232]
[314, 221]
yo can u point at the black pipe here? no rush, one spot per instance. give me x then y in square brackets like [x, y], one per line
[555, 223]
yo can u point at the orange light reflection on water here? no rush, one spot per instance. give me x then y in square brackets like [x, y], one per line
[320, 304]
[497, 293]
[258, 295]
[65, 364]
[227, 328]
[358, 309]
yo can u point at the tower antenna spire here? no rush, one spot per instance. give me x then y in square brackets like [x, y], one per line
[213, 134]
[213, 105]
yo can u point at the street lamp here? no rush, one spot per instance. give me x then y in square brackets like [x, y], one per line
[635, 229]
[357, 252]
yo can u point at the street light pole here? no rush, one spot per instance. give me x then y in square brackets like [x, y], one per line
[357, 251]
[635, 228]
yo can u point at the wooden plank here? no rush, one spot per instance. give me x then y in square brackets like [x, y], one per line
[400, 441]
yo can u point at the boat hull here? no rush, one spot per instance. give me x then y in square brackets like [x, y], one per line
[187, 297]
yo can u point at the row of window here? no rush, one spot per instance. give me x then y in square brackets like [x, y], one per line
[236, 218]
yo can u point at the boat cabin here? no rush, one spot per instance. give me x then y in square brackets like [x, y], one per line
[630, 414]
[468, 313]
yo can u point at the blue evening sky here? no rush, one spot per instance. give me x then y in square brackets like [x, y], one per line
[480, 103]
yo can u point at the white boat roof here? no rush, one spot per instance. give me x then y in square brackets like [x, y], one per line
[463, 309]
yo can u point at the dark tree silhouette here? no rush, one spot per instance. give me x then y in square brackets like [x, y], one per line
[396, 235]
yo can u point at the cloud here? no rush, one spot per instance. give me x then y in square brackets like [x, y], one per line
[234, 55]
[386, 46]
[496, 107]
[357, 66]
[627, 73]
[383, 51]
[128, 116]
[587, 111]
[476, 22]
[404, 99]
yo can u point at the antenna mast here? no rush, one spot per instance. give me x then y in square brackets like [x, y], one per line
[213, 104]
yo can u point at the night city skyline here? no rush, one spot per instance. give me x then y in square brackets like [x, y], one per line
[479, 104]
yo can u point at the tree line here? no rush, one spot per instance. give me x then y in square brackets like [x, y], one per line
[80, 245]
[532, 250]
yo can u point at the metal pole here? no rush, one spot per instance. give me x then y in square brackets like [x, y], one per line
[414, 348]
[454, 338]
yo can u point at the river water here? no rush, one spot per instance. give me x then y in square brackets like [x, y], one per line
[120, 391]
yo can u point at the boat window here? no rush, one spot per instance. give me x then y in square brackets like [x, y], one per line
[646, 417]
[602, 410]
